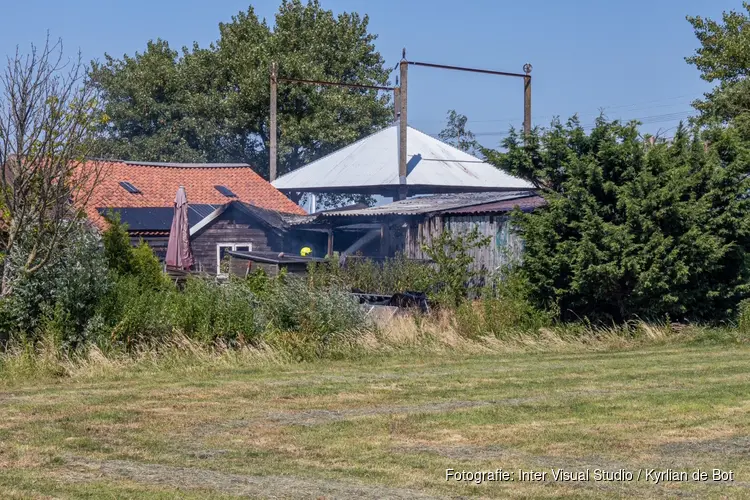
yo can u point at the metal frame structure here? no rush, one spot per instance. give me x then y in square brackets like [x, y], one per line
[400, 100]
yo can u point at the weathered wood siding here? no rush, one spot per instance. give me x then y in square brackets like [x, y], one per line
[233, 226]
[505, 246]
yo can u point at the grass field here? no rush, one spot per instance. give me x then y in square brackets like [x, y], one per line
[385, 427]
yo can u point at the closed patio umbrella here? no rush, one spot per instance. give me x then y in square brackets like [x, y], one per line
[179, 255]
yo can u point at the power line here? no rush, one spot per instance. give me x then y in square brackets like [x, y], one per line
[645, 120]
[604, 108]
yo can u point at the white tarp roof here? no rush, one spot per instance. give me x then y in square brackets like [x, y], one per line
[372, 163]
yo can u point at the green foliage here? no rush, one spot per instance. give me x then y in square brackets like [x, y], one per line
[134, 313]
[204, 311]
[211, 104]
[452, 256]
[397, 274]
[62, 296]
[295, 305]
[724, 57]
[117, 248]
[743, 316]
[240, 310]
[500, 313]
[633, 230]
[147, 268]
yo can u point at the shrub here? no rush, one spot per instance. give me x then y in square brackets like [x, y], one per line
[743, 317]
[394, 275]
[62, 296]
[634, 229]
[502, 309]
[452, 256]
[295, 305]
[117, 248]
[207, 311]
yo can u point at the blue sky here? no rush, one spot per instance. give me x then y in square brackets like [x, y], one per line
[625, 57]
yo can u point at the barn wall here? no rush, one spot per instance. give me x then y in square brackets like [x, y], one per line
[233, 226]
[504, 246]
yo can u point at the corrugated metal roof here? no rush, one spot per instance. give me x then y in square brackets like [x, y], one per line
[372, 163]
[295, 220]
[430, 204]
[527, 203]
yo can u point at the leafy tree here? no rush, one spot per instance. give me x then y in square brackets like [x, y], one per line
[211, 104]
[47, 128]
[632, 228]
[456, 134]
[152, 109]
[723, 56]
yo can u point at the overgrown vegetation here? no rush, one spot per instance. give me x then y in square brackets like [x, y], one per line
[634, 228]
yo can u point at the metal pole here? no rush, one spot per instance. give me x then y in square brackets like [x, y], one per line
[471, 70]
[272, 125]
[403, 96]
[527, 99]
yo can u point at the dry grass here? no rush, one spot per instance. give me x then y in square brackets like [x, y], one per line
[414, 399]
[401, 334]
[435, 335]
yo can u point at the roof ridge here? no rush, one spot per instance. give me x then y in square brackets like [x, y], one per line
[134, 163]
[336, 151]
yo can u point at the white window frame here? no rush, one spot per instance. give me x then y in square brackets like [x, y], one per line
[232, 247]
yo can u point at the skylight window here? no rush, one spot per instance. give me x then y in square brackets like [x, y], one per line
[225, 191]
[129, 187]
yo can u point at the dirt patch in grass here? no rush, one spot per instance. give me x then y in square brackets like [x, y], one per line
[468, 452]
[736, 447]
[319, 417]
[192, 478]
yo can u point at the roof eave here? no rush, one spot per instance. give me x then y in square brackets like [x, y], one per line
[390, 189]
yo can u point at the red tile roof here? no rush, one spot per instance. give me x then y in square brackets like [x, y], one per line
[158, 184]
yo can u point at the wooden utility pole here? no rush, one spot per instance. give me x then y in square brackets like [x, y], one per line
[527, 99]
[402, 123]
[396, 103]
[272, 125]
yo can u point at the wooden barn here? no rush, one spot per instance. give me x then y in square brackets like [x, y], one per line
[230, 208]
[405, 226]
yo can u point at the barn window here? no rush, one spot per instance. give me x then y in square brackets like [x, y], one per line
[222, 255]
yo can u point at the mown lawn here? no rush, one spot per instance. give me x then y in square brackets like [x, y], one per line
[387, 427]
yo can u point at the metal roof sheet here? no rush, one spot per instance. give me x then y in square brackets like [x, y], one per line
[156, 218]
[430, 203]
[372, 162]
[526, 204]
